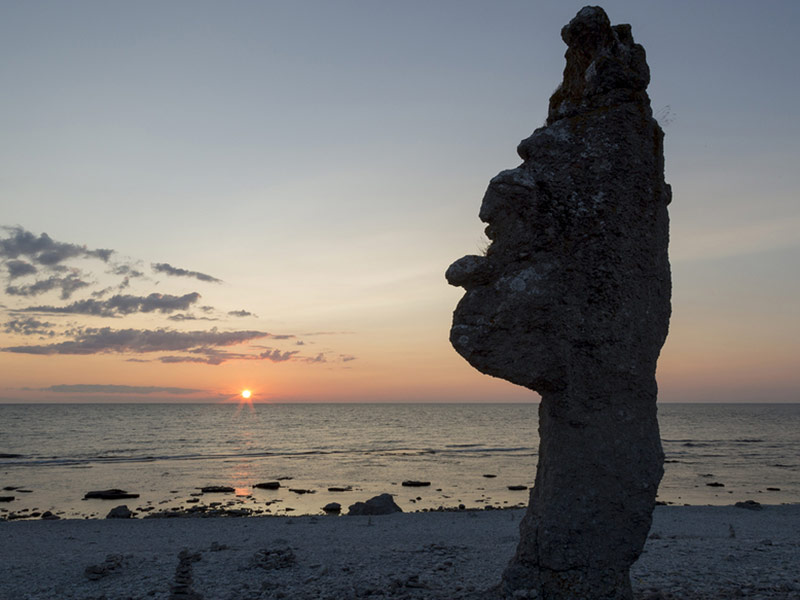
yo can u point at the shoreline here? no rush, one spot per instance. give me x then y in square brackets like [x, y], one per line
[693, 552]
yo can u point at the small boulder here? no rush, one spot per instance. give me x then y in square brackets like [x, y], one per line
[217, 489]
[517, 488]
[332, 508]
[749, 504]
[268, 485]
[49, 516]
[347, 488]
[413, 483]
[120, 512]
[301, 491]
[112, 494]
[6, 498]
[379, 505]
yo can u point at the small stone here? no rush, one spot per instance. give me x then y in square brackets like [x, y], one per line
[749, 504]
[383, 504]
[268, 485]
[332, 507]
[120, 512]
[217, 489]
[414, 483]
[112, 494]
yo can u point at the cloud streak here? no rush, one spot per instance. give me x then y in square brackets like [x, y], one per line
[28, 326]
[44, 250]
[19, 268]
[168, 269]
[68, 286]
[91, 340]
[122, 304]
[117, 389]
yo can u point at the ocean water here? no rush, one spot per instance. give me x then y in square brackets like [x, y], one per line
[165, 452]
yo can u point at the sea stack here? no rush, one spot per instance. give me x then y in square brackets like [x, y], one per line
[572, 300]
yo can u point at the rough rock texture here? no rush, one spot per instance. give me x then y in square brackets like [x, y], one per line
[572, 300]
[383, 504]
[120, 512]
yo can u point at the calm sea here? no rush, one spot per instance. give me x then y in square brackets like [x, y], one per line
[164, 452]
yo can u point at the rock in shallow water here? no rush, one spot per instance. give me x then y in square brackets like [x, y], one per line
[572, 300]
[112, 494]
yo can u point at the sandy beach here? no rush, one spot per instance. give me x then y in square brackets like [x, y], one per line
[693, 552]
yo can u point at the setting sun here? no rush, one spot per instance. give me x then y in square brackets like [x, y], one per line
[246, 394]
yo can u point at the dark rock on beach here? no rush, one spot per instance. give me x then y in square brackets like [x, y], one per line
[301, 491]
[6, 498]
[749, 504]
[217, 489]
[112, 494]
[120, 512]
[347, 488]
[413, 483]
[517, 488]
[378, 505]
[715, 484]
[112, 563]
[268, 485]
[332, 507]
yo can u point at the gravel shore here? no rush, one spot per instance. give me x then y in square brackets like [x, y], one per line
[693, 552]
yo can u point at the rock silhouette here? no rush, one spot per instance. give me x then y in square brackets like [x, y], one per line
[572, 300]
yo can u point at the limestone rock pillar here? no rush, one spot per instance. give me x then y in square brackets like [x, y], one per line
[572, 300]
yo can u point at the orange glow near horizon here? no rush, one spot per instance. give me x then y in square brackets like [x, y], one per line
[246, 394]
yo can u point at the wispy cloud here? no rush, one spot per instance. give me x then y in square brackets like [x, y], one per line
[216, 356]
[19, 268]
[277, 356]
[117, 389]
[189, 317]
[28, 326]
[44, 250]
[241, 313]
[122, 305]
[91, 340]
[168, 269]
[68, 285]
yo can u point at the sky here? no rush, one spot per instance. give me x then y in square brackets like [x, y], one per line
[198, 198]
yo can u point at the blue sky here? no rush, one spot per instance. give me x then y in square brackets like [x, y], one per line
[326, 161]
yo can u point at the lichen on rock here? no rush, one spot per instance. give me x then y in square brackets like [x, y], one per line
[572, 300]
